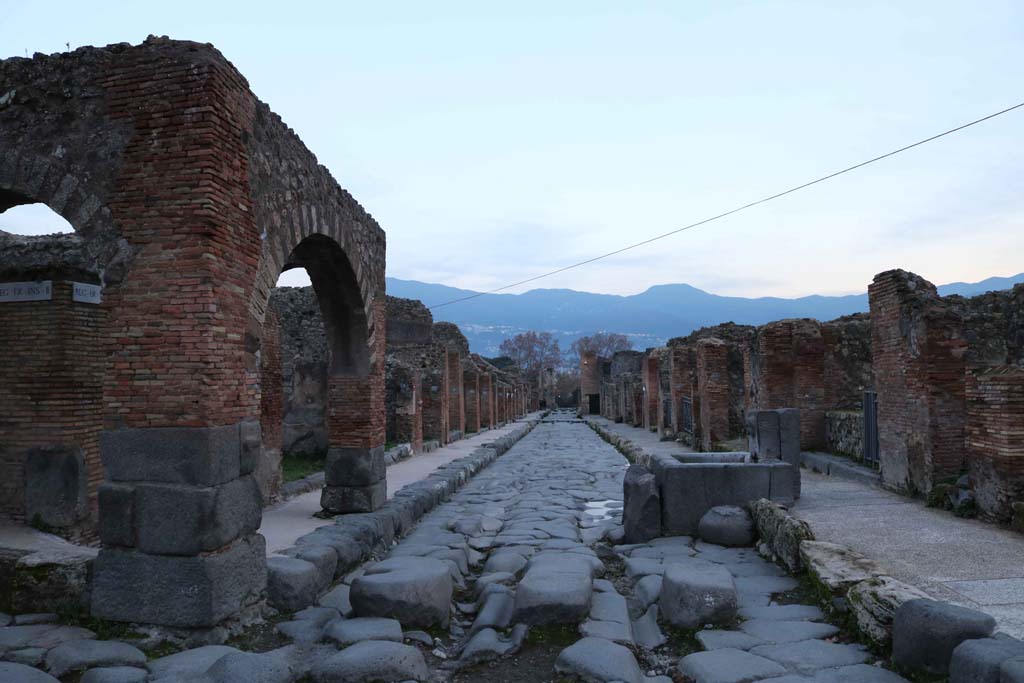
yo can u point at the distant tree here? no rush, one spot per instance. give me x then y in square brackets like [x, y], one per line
[532, 351]
[604, 344]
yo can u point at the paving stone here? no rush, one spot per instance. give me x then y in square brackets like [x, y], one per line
[338, 598]
[188, 663]
[488, 645]
[776, 631]
[415, 591]
[1012, 671]
[77, 655]
[504, 561]
[37, 618]
[251, 668]
[809, 655]
[29, 656]
[714, 639]
[5, 619]
[694, 595]
[320, 615]
[550, 594]
[647, 590]
[20, 673]
[371, 661]
[768, 585]
[925, 633]
[979, 660]
[596, 660]
[115, 674]
[609, 606]
[783, 612]
[615, 631]
[496, 612]
[304, 631]
[727, 525]
[292, 584]
[40, 635]
[858, 673]
[728, 666]
[348, 631]
[646, 631]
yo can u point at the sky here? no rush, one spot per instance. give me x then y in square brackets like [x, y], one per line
[497, 141]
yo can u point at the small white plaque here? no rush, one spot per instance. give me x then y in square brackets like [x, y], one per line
[26, 291]
[86, 294]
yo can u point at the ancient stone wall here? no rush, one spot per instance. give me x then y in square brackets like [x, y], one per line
[409, 322]
[844, 433]
[713, 390]
[52, 369]
[471, 389]
[995, 439]
[404, 397]
[650, 384]
[268, 469]
[304, 359]
[848, 370]
[918, 350]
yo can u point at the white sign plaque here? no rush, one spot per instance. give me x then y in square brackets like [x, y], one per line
[26, 291]
[86, 294]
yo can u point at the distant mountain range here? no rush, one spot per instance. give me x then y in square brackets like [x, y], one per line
[649, 318]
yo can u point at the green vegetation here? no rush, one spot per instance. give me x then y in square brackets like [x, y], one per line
[296, 467]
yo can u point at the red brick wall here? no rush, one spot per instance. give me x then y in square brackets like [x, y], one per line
[471, 386]
[456, 404]
[52, 367]
[918, 362]
[486, 400]
[995, 439]
[435, 398]
[713, 389]
[355, 404]
[271, 384]
[650, 389]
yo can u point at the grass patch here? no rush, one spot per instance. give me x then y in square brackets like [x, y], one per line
[553, 635]
[297, 467]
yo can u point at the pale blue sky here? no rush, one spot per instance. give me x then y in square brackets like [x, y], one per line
[493, 142]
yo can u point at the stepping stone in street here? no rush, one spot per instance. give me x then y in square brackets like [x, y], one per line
[646, 631]
[417, 591]
[925, 632]
[858, 673]
[727, 525]
[696, 594]
[728, 666]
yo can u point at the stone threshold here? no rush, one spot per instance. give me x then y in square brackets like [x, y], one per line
[297, 576]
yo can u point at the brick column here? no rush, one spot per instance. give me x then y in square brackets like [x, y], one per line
[713, 390]
[918, 362]
[456, 404]
[471, 386]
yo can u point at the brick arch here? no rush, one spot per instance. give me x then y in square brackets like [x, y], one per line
[211, 193]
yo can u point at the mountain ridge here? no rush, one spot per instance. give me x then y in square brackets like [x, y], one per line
[649, 318]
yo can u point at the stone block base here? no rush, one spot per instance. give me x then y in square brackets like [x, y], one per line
[339, 499]
[182, 591]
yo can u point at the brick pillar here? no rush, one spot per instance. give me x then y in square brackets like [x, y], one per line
[995, 439]
[918, 362]
[268, 469]
[434, 377]
[713, 390]
[471, 385]
[649, 417]
[456, 405]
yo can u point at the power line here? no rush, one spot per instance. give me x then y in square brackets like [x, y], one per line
[737, 209]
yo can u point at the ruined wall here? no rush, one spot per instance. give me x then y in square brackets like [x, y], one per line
[53, 368]
[304, 358]
[272, 400]
[650, 385]
[844, 433]
[738, 339]
[918, 356]
[471, 389]
[590, 381]
[995, 439]
[713, 389]
[848, 369]
[403, 402]
[457, 347]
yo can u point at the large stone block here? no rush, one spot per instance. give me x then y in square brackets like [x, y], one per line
[417, 591]
[641, 514]
[785, 482]
[763, 434]
[355, 466]
[200, 456]
[789, 435]
[173, 519]
[55, 486]
[925, 633]
[683, 498]
[117, 514]
[980, 660]
[340, 499]
[736, 483]
[695, 593]
[198, 591]
[250, 437]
